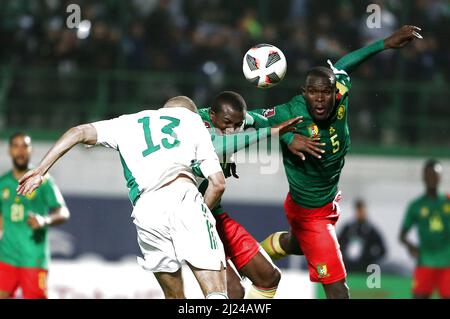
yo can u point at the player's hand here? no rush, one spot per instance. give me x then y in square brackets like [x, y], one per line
[37, 221]
[230, 170]
[29, 182]
[402, 37]
[233, 170]
[286, 126]
[413, 251]
[302, 144]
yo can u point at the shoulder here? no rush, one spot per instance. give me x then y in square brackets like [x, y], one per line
[415, 203]
[343, 79]
[296, 101]
[251, 117]
[204, 113]
[5, 177]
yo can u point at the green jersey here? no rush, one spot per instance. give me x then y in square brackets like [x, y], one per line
[252, 119]
[431, 216]
[20, 245]
[314, 182]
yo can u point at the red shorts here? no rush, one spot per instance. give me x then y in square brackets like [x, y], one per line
[33, 281]
[316, 235]
[239, 245]
[427, 279]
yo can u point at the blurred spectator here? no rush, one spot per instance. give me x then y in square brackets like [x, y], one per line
[205, 40]
[361, 242]
[152, 34]
[430, 213]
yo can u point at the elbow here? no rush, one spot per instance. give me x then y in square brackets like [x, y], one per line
[220, 187]
[84, 133]
[402, 237]
[77, 132]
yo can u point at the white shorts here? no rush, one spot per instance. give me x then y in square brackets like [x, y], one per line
[174, 225]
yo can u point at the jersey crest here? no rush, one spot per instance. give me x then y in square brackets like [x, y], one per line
[269, 112]
[322, 270]
[446, 208]
[313, 130]
[424, 212]
[5, 194]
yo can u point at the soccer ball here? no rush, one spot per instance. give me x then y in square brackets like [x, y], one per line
[264, 65]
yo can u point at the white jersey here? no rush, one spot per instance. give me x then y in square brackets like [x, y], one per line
[156, 146]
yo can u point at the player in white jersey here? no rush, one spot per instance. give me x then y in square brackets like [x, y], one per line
[173, 221]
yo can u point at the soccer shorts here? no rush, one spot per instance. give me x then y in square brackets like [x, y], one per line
[33, 281]
[240, 246]
[315, 231]
[427, 279]
[174, 225]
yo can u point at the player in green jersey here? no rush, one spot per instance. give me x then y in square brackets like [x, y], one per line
[430, 213]
[228, 114]
[162, 257]
[312, 203]
[24, 247]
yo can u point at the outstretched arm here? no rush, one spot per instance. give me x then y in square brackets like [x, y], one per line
[86, 134]
[226, 145]
[396, 40]
[296, 143]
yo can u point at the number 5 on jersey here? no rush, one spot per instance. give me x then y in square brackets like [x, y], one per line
[167, 129]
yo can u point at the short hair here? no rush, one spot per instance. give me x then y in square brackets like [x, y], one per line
[182, 101]
[359, 202]
[13, 136]
[233, 99]
[323, 72]
[431, 162]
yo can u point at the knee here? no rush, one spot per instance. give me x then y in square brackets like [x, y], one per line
[276, 277]
[270, 279]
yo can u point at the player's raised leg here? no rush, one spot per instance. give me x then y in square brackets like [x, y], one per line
[281, 244]
[248, 257]
[265, 276]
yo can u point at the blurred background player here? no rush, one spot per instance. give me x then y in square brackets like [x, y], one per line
[24, 246]
[361, 242]
[430, 213]
[312, 204]
[228, 114]
[173, 223]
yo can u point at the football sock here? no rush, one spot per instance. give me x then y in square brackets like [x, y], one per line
[217, 295]
[261, 293]
[272, 246]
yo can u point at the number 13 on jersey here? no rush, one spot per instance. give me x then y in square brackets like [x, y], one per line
[167, 129]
